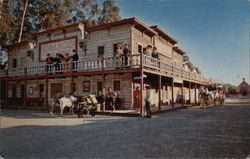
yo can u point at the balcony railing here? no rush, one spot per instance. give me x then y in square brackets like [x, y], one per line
[110, 63]
[162, 66]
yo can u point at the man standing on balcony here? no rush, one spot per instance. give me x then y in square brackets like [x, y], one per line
[126, 53]
[57, 61]
[75, 58]
[49, 61]
[155, 54]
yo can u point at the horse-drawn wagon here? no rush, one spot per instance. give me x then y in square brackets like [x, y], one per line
[87, 103]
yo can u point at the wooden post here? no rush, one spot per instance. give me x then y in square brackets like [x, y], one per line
[182, 94]
[172, 92]
[104, 92]
[103, 86]
[142, 86]
[189, 92]
[25, 93]
[195, 93]
[72, 84]
[46, 91]
[159, 92]
[6, 93]
[132, 91]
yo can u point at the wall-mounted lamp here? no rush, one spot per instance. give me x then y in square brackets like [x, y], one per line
[81, 44]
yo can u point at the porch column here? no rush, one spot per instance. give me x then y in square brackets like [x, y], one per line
[182, 95]
[189, 92]
[159, 82]
[195, 93]
[46, 92]
[103, 85]
[6, 93]
[142, 84]
[72, 84]
[172, 92]
[142, 88]
[104, 92]
[25, 93]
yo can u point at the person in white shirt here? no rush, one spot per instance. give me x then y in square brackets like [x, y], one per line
[148, 50]
[148, 102]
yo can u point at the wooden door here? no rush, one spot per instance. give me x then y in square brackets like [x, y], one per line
[14, 91]
[22, 91]
[55, 88]
[41, 90]
[99, 88]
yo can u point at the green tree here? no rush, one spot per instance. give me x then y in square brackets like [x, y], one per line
[86, 11]
[41, 15]
[6, 21]
[110, 12]
[48, 14]
[229, 88]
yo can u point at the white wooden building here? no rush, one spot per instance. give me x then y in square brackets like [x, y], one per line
[28, 83]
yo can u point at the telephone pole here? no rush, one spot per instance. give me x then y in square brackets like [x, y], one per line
[22, 23]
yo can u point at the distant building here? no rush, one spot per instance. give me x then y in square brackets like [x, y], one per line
[243, 88]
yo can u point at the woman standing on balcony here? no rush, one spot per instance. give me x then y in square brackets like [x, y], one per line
[118, 55]
[148, 51]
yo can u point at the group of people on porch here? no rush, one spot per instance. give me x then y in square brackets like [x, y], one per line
[152, 52]
[58, 59]
[122, 55]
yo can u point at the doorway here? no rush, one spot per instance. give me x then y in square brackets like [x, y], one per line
[244, 93]
[99, 89]
[55, 88]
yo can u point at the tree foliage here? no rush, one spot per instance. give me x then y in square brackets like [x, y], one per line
[6, 21]
[48, 14]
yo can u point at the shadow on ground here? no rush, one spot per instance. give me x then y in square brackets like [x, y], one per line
[220, 132]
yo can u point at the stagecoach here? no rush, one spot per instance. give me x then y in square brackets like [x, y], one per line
[211, 96]
[87, 103]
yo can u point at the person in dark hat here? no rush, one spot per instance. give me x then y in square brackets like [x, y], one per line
[57, 61]
[126, 53]
[49, 61]
[75, 58]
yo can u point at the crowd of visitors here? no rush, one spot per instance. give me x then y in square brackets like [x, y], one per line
[56, 61]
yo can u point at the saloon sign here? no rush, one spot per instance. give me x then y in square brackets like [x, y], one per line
[54, 47]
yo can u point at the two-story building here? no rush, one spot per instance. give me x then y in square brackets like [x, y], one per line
[29, 82]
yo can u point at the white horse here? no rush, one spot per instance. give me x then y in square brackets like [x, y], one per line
[63, 102]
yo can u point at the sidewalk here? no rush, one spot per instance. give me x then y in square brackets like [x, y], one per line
[134, 113]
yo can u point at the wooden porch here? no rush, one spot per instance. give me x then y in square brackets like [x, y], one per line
[137, 63]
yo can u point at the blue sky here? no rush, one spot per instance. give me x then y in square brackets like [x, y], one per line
[215, 33]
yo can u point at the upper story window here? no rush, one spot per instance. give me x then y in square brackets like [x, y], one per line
[14, 63]
[100, 51]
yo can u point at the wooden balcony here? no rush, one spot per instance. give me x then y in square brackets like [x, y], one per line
[103, 64]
